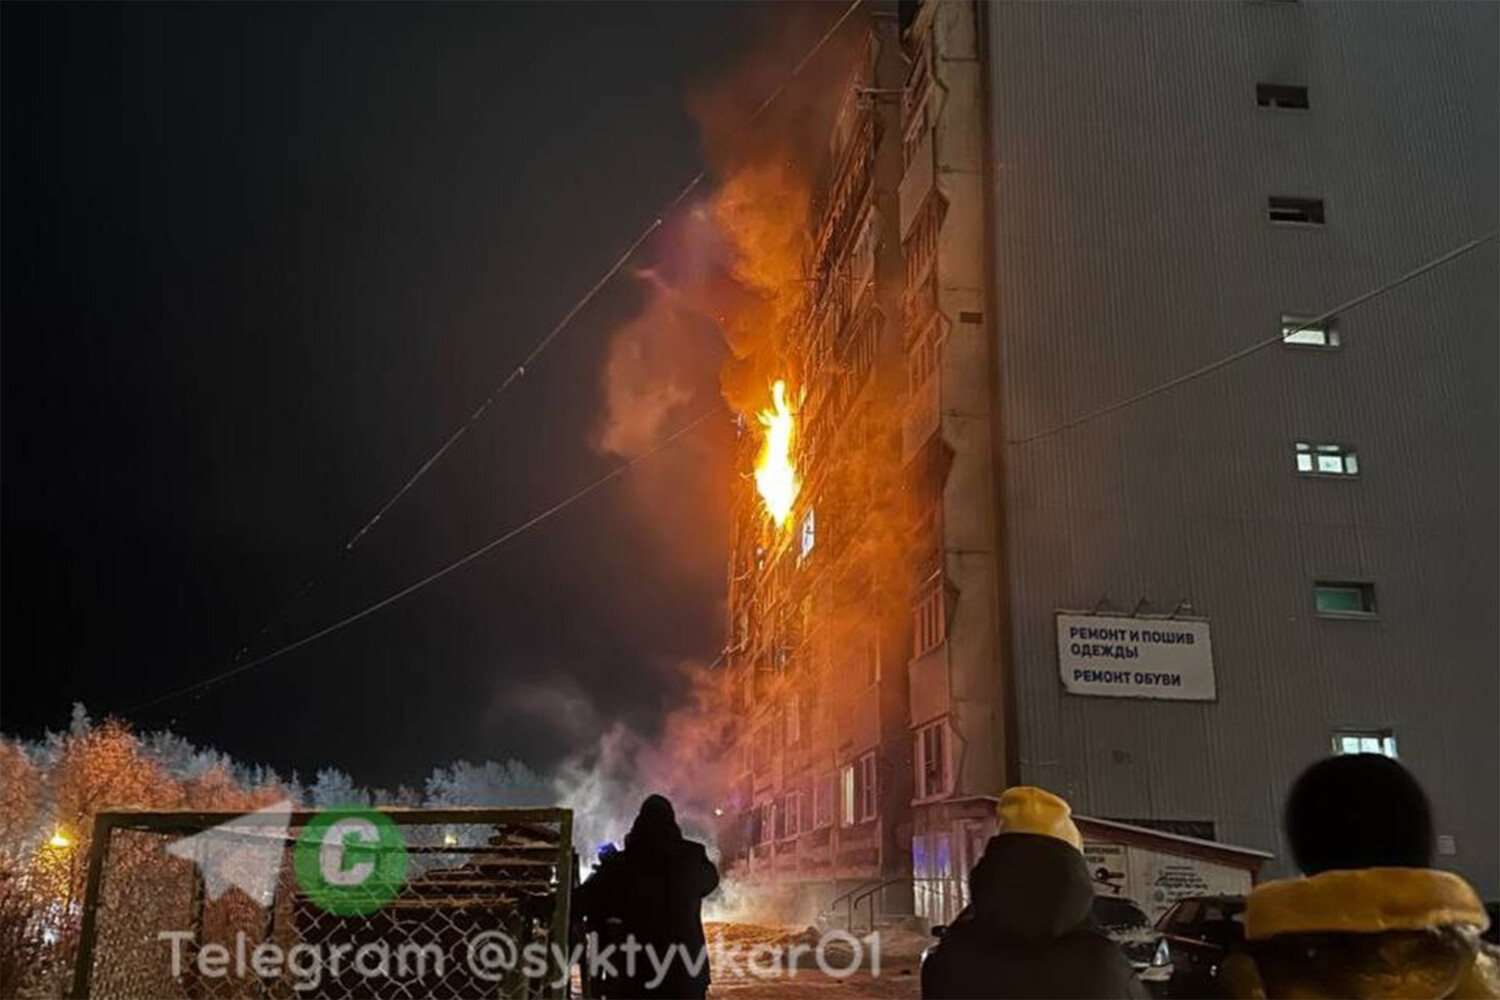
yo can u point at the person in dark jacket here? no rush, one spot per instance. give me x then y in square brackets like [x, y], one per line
[1371, 919]
[1027, 931]
[651, 892]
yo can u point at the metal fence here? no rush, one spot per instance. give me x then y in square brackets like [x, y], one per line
[153, 926]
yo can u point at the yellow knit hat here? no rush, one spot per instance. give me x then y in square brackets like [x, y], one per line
[1024, 809]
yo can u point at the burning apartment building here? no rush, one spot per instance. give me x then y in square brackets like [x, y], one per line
[818, 589]
[1024, 509]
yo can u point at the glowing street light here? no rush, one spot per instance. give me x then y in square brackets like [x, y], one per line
[59, 840]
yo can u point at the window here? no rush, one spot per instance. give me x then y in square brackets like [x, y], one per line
[1295, 211]
[793, 719]
[765, 823]
[846, 796]
[1280, 95]
[823, 802]
[809, 532]
[932, 760]
[929, 627]
[791, 816]
[1326, 459]
[1297, 331]
[866, 787]
[1337, 600]
[858, 801]
[1381, 741]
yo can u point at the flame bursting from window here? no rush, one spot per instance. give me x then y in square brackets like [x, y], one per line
[775, 474]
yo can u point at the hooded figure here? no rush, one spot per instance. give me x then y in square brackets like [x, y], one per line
[1371, 919]
[1027, 931]
[652, 892]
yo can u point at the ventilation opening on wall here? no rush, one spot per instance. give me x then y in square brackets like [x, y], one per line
[1297, 211]
[1281, 95]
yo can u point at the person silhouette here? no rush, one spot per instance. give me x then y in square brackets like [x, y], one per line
[1027, 931]
[650, 894]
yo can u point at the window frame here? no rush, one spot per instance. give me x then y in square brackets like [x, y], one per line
[1316, 209]
[790, 816]
[1385, 737]
[1370, 605]
[868, 787]
[1267, 96]
[1329, 328]
[1315, 452]
[921, 759]
[929, 613]
[846, 794]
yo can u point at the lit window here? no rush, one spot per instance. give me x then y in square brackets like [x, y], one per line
[846, 796]
[1295, 211]
[1344, 599]
[1381, 741]
[1298, 331]
[1326, 459]
[809, 532]
[932, 760]
[929, 627]
[1280, 95]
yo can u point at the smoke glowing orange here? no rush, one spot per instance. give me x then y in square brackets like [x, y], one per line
[775, 473]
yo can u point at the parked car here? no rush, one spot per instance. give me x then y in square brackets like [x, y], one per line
[1197, 933]
[1127, 925]
[1124, 923]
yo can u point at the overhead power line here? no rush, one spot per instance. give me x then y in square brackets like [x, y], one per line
[437, 575]
[519, 371]
[1261, 345]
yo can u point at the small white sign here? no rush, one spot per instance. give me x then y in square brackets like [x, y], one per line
[1113, 656]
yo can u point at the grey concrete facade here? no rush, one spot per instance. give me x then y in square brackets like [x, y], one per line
[1128, 175]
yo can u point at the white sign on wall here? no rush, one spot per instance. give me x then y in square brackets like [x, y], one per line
[1154, 880]
[1113, 656]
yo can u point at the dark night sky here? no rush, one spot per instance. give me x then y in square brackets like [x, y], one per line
[258, 262]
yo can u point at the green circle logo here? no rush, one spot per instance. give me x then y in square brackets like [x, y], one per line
[350, 860]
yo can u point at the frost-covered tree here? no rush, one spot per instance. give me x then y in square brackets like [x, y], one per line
[510, 783]
[333, 787]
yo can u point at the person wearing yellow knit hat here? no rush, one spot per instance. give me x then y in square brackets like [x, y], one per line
[1026, 931]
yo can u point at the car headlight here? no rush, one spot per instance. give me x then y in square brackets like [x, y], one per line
[1162, 955]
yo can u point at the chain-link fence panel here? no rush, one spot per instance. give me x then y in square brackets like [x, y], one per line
[382, 903]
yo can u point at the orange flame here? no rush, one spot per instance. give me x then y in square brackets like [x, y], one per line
[775, 474]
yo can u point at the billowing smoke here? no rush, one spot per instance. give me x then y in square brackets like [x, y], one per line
[606, 783]
[718, 300]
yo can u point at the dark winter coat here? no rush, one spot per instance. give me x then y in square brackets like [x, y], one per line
[1027, 932]
[652, 890]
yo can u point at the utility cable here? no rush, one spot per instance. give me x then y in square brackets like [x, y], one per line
[1243, 353]
[437, 575]
[519, 371]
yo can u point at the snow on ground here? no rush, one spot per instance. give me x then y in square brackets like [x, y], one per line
[753, 961]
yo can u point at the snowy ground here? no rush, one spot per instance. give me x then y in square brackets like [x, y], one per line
[753, 961]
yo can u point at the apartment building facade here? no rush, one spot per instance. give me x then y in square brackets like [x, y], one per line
[815, 661]
[1145, 566]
